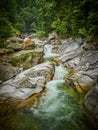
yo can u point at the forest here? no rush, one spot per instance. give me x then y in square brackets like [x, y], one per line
[48, 65]
[68, 18]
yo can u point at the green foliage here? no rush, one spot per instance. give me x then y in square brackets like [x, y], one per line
[83, 32]
[17, 60]
[67, 18]
[5, 30]
[40, 34]
[7, 19]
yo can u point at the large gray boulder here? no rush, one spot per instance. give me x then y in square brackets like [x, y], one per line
[71, 52]
[91, 106]
[28, 82]
[82, 61]
[86, 73]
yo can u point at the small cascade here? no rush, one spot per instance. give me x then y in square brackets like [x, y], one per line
[54, 110]
[48, 52]
[60, 72]
[47, 49]
[49, 102]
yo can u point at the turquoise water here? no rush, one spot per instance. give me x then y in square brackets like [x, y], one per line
[59, 108]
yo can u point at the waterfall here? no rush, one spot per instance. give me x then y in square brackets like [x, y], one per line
[47, 49]
[60, 72]
[48, 52]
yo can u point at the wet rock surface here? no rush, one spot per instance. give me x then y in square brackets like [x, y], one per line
[80, 58]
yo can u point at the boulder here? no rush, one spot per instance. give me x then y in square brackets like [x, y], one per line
[38, 43]
[52, 36]
[7, 71]
[82, 63]
[86, 73]
[91, 106]
[69, 46]
[29, 82]
[28, 44]
[15, 39]
[82, 81]
[14, 43]
[71, 53]
[26, 58]
[55, 48]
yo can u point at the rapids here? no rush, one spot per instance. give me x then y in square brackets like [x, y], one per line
[59, 107]
[48, 52]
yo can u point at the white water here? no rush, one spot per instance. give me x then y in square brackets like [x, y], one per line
[48, 52]
[55, 110]
[60, 72]
[49, 102]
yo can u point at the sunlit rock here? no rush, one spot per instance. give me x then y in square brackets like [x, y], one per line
[26, 58]
[14, 43]
[28, 44]
[28, 82]
[81, 62]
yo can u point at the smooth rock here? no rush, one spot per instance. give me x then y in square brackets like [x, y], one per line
[26, 58]
[28, 44]
[29, 82]
[91, 106]
[7, 71]
[15, 43]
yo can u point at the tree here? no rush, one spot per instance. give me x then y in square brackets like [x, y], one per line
[7, 18]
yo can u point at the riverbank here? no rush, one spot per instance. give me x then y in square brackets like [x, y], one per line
[77, 56]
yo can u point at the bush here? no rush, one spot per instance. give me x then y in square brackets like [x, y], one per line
[40, 34]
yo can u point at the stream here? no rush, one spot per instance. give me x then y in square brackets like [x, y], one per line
[59, 108]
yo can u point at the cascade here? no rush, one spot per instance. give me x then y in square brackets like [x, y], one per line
[48, 52]
[54, 110]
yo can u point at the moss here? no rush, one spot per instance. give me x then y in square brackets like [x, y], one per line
[14, 61]
[72, 94]
[70, 74]
[79, 89]
[53, 60]
[6, 51]
[17, 60]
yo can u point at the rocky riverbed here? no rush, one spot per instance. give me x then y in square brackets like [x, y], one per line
[25, 73]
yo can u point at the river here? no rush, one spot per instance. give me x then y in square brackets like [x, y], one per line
[59, 108]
